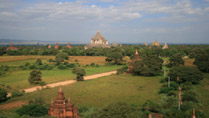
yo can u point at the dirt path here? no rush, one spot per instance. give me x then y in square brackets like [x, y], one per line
[63, 83]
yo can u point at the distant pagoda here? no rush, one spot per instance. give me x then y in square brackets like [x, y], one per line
[98, 41]
[156, 43]
[62, 107]
[165, 46]
[68, 46]
[49, 46]
[136, 58]
[56, 46]
[11, 47]
[115, 44]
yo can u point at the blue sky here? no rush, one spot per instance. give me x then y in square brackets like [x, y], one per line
[123, 21]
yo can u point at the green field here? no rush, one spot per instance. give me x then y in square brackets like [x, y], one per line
[203, 91]
[103, 91]
[21, 62]
[19, 79]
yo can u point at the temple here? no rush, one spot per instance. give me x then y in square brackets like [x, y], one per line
[11, 47]
[62, 107]
[156, 43]
[49, 46]
[98, 41]
[165, 46]
[136, 58]
[68, 46]
[56, 46]
[115, 44]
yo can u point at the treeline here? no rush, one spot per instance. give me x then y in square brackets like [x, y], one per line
[125, 50]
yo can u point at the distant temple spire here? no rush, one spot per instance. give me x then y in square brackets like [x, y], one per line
[11, 47]
[98, 31]
[193, 116]
[68, 45]
[56, 46]
[165, 46]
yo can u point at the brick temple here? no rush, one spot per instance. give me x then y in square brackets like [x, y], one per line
[11, 47]
[62, 107]
[136, 58]
[68, 46]
[56, 46]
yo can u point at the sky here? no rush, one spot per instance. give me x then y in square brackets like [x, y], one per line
[123, 21]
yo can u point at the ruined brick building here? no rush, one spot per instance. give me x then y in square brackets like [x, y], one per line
[11, 47]
[62, 107]
[136, 58]
[56, 46]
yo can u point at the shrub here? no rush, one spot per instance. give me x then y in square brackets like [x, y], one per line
[149, 105]
[122, 70]
[32, 110]
[71, 65]
[202, 61]
[32, 67]
[38, 62]
[62, 67]
[3, 94]
[117, 110]
[80, 72]
[35, 77]
[17, 93]
[39, 101]
[92, 64]
[185, 74]
[66, 63]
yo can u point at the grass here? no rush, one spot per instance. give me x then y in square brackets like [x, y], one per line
[21, 60]
[103, 91]
[203, 91]
[19, 79]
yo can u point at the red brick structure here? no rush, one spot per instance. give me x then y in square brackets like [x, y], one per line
[62, 107]
[11, 47]
[49, 46]
[56, 46]
[68, 46]
[136, 58]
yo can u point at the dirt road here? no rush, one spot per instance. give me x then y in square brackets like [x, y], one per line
[63, 83]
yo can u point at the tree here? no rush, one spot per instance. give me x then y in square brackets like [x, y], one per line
[149, 66]
[60, 57]
[115, 55]
[118, 110]
[80, 72]
[185, 74]
[35, 77]
[176, 60]
[32, 110]
[38, 62]
[3, 95]
[202, 62]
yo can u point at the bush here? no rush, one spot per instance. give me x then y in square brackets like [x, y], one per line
[38, 62]
[3, 94]
[185, 74]
[92, 64]
[32, 67]
[117, 110]
[71, 65]
[80, 72]
[189, 96]
[39, 101]
[35, 77]
[122, 70]
[17, 93]
[62, 67]
[202, 62]
[33, 110]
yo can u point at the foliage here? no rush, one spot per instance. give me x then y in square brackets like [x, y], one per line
[17, 93]
[185, 74]
[115, 56]
[62, 67]
[60, 57]
[35, 77]
[148, 66]
[39, 101]
[176, 60]
[80, 72]
[32, 110]
[3, 94]
[38, 62]
[202, 62]
[122, 70]
[117, 110]
[149, 105]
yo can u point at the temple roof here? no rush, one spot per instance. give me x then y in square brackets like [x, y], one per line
[98, 36]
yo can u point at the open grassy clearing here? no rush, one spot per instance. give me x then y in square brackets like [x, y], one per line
[19, 79]
[16, 58]
[21, 60]
[103, 91]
